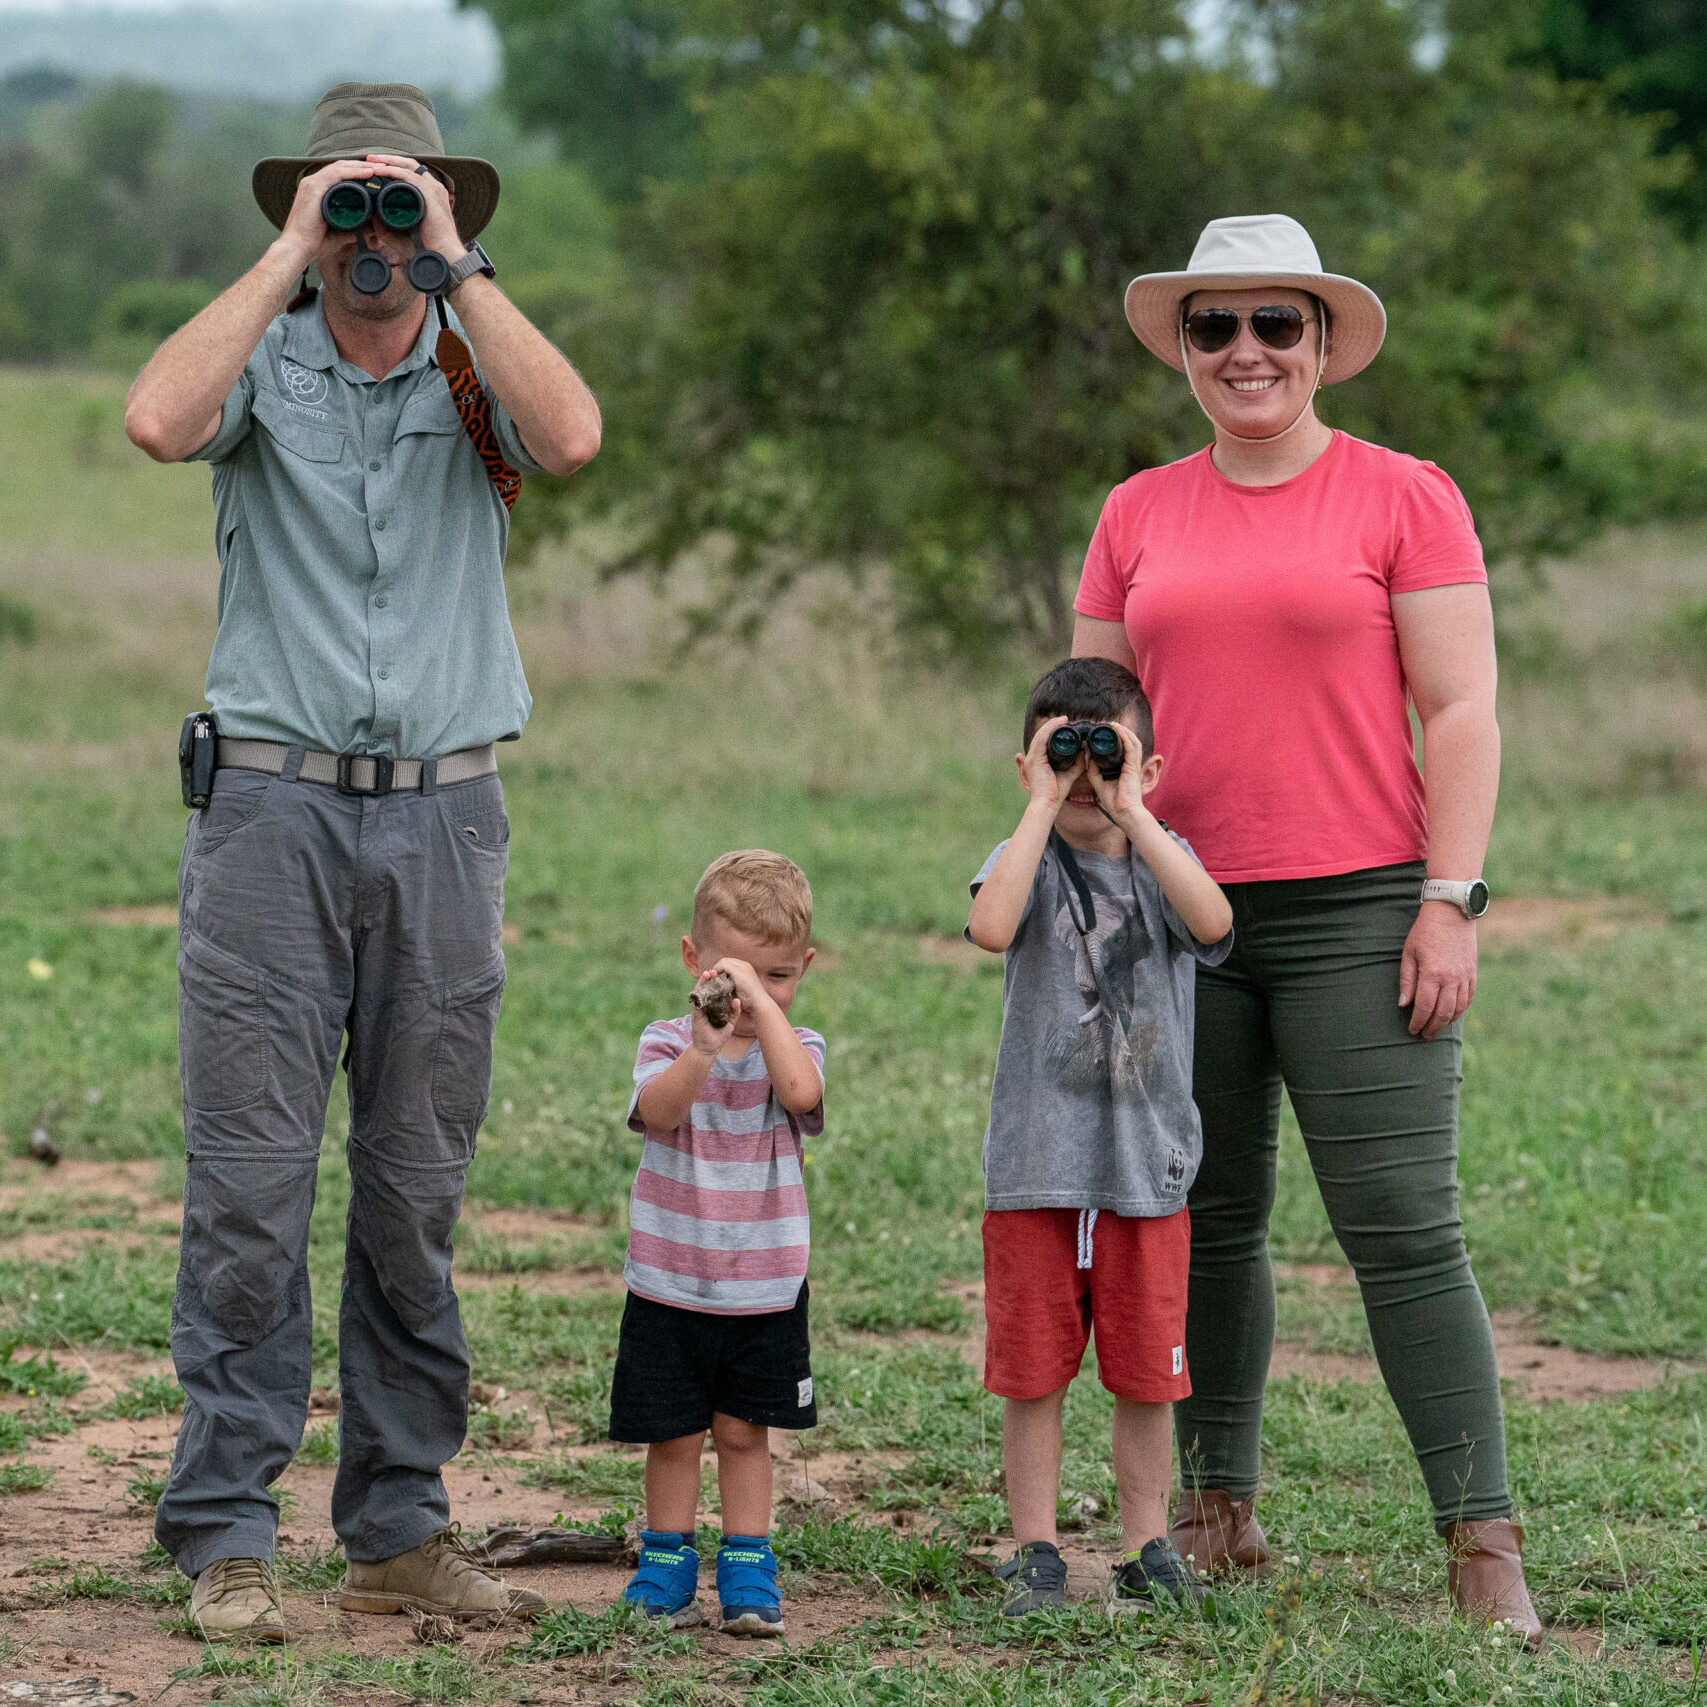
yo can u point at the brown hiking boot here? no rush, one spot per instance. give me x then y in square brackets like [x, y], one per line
[1215, 1533]
[237, 1600]
[443, 1576]
[1484, 1574]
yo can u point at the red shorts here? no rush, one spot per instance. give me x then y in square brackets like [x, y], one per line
[1040, 1305]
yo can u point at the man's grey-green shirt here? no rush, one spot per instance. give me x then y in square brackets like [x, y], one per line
[361, 555]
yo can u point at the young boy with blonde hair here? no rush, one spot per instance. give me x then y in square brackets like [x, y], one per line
[1102, 914]
[714, 1333]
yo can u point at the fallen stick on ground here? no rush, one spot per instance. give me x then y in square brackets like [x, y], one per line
[512, 1546]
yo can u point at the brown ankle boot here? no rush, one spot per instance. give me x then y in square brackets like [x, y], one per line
[1213, 1532]
[1484, 1573]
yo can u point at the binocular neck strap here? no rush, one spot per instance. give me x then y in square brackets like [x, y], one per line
[456, 363]
[1076, 878]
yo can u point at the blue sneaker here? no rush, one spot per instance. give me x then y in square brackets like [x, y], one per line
[668, 1579]
[746, 1586]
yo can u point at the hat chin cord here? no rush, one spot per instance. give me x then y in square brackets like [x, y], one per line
[1245, 438]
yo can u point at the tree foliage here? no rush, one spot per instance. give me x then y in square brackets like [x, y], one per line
[1652, 57]
[875, 312]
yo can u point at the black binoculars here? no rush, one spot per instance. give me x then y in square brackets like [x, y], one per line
[399, 206]
[1100, 740]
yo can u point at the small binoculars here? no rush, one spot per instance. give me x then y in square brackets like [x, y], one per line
[397, 205]
[1100, 740]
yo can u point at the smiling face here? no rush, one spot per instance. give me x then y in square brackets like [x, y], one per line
[1080, 818]
[1248, 389]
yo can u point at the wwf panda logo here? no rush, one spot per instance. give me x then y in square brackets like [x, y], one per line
[304, 384]
[1176, 1170]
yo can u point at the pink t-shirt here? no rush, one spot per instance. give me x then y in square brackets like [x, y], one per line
[1261, 624]
[717, 1219]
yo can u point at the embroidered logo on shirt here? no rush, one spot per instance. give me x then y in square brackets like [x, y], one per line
[805, 1391]
[305, 384]
[1179, 1359]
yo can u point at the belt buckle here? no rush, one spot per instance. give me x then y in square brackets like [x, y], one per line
[383, 771]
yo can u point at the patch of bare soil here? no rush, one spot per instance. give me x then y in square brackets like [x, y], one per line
[87, 1519]
[1543, 1372]
[1558, 922]
[162, 916]
[91, 1186]
[548, 1283]
[79, 1241]
[953, 951]
[492, 1222]
[94, 1516]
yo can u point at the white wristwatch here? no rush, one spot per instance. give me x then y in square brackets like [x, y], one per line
[1471, 899]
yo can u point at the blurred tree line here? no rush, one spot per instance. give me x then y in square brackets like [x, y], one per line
[847, 274]
[873, 254]
[122, 211]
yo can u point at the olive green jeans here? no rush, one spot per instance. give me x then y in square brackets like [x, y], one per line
[1309, 999]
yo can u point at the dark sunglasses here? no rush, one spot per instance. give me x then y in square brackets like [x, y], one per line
[1212, 329]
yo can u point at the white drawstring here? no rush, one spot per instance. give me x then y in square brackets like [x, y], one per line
[1267, 438]
[1087, 1232]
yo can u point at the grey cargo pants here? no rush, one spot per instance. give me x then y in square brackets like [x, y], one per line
[306, 914]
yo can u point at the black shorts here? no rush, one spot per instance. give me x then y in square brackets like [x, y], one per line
[675, 1367]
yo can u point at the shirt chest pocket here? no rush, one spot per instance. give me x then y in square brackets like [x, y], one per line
[428, 416]
[295, 435]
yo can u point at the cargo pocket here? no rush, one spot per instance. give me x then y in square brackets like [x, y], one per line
[238, 796]
[222, 1027]
[462, 1064]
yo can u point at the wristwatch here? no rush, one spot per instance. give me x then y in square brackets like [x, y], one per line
[1471, 899]
[475, 261]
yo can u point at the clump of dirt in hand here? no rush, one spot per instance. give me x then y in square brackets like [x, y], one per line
[715, 999]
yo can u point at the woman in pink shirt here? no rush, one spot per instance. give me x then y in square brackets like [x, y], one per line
[1286, 596]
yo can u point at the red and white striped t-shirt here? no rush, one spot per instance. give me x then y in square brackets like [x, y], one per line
[717, 1220]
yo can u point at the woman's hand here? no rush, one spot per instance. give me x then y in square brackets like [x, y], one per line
[1437, 973]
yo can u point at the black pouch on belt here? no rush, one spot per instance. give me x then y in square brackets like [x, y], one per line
[198, 751]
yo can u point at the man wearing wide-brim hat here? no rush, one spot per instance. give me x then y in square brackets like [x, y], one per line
[344, 875]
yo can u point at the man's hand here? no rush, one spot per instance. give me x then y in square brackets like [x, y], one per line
[438, 229]
[304, 228]
[1047, 786]
[1437, 973]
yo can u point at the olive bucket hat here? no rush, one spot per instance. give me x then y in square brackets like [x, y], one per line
[354, 120]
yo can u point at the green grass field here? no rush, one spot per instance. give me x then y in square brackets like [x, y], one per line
[1584, 1133]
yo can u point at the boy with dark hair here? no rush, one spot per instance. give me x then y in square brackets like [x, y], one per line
[1102, 914]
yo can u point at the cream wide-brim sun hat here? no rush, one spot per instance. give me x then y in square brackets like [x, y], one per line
[1259, 251]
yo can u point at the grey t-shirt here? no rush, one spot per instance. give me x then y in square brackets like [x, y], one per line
[1092, 1106]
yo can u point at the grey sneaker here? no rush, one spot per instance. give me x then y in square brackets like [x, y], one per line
[1036, 1577]
[1155, 1574]
[237, 1600]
